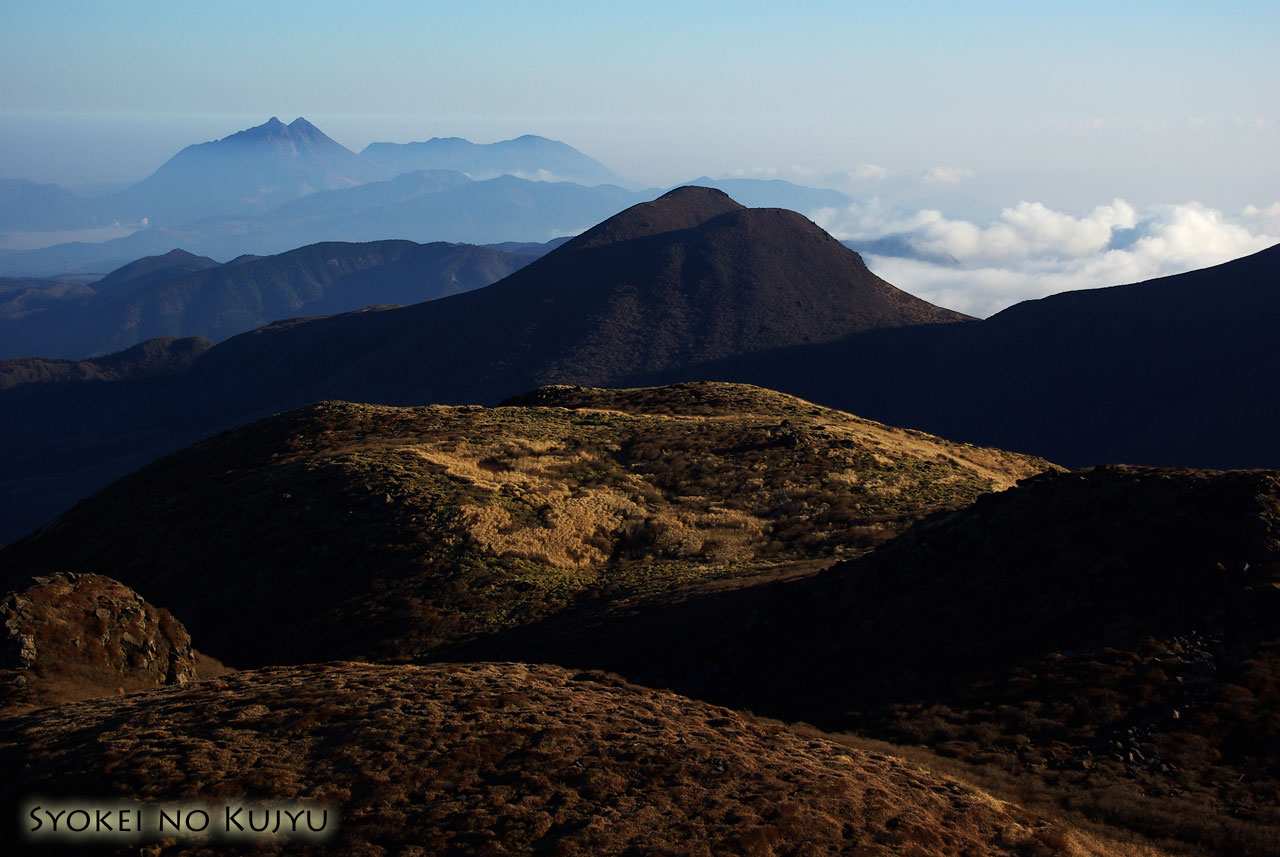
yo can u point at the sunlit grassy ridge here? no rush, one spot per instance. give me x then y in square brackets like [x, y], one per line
[348, 530]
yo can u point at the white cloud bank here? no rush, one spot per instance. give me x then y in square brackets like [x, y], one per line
[948, 175]
[1032, 251]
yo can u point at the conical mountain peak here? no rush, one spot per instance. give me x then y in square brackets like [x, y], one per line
[682, 208]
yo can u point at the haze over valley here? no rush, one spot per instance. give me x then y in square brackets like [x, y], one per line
[926, 231]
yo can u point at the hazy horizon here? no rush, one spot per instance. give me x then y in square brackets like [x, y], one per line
[1014, 140]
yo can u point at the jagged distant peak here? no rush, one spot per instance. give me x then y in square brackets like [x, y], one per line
[273, 129]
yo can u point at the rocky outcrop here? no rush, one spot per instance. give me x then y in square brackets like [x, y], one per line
[77, 636]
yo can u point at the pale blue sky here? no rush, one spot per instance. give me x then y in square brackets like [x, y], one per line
[1071, 104]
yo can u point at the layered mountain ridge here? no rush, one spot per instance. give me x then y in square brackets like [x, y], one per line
[693, 286]
[179, 294]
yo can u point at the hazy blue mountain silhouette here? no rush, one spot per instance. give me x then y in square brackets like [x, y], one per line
[529, 157]
[179, 294]
[247, 172]
[29, 206]
[149, 269]
[424, 206]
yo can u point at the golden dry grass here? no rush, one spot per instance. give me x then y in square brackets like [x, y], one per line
[507, 759]
[359, 531]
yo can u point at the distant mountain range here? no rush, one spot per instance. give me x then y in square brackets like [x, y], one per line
[26, 205]
[261, 167]
[277, 187]
[244, 173]
[528, 157]
[423, 206]
[180, 294]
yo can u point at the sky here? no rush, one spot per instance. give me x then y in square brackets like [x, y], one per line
[951, 113]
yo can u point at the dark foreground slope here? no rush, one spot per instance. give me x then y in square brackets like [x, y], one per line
[497, 759]
[667, 286]
[346, 530]
[1110, 638]
[1180, 371]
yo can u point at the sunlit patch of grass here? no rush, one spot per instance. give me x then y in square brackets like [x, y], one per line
[432, 524]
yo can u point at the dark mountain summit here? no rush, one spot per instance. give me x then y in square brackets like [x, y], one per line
[776, 193]
[664, 286]
[681, 208]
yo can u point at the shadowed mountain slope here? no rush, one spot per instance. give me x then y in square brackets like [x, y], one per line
[343, 530]
[472, 759]
[24, 297]
[1175, 371]
[1109, 637]
[664, 286]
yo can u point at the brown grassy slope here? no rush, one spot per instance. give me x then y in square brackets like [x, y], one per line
[505, 759]
[75, 636]
[343, 530]
[1109, 639]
